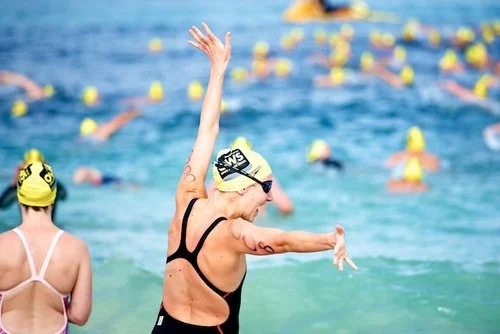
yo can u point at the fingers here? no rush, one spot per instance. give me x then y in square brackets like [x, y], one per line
[349, 262]
[228, 43]
[198, 36]
[341, 264]
[209, 32]
[196, 45]
[339, 229]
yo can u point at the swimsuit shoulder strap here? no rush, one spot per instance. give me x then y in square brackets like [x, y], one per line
[49, 253]
[182, 249]
[21, 236]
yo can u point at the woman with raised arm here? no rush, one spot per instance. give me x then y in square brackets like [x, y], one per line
[209, 238]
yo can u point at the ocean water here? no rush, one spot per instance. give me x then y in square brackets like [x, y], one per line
[429, 263]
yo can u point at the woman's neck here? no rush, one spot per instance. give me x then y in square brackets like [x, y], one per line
[226, 204]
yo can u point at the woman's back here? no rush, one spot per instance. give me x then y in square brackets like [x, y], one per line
[39, 268]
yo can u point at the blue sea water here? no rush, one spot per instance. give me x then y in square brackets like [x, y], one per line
[428, 263]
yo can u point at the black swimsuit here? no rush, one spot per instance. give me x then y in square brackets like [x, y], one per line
[165, 323]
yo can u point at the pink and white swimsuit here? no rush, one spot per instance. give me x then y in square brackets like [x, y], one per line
[37, 278]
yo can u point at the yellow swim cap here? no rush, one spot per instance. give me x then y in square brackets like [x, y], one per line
[388, 40]
[488, 35]
[283, 67]
[48, 90]
[407, 75]
[367, 61]
[297, 34]
[477, 55]
[360, 10]
[87, 127]
[287, 42]
[156, 91]
[320, 36]
[239, 74]
[19, 108]
[449, 60]
[399, 53]
[316, 150]
[223, 106]
[260, 49]
[413, 171]
[496, 27]
[410, 31]
[375, 38]
[195, 90]
[481, 89]
[415, 141]
[435, 37]
[155, 45]
[248, 161]
[347, 31]
[465, 35]
[241, 142]
[36, 185]
[90, 96]
[339, 57]
[337, 75]
[32, 156]
[259, 67]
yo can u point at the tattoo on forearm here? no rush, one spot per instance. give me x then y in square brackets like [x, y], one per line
[266, 248]
[188, 176]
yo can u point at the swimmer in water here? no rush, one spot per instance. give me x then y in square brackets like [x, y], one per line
[90, 130]
[405, 78]
[33, 90]
[336, 78]
[155, 95]
[412, 180]
[9, 195]
[96, 178]
[450, 63]
[280, 199]
[478, 95]
[415, 148]
[320, 152]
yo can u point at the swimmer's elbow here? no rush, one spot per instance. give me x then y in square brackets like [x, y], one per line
[78, 318]
[286, 209]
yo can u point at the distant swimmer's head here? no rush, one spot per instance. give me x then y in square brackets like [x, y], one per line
[360, 10]
[246, 172]
[448, 61]
[435, 38]
[156, 91]
[340, 56]
[36, 185]
[410, 31]
[337, 75]
[335, 39]
[488, 34]
[287, 42]
[259, 67]
[195, 90]
[155, 45]
[283, 67]
[320, 36]
[223, 106]
[413, 171]
[367, 61]
[347, 31]
[239, 74]
[33, 155]
[477, 55]
[399, 54]
[388, 40]
[481, 89]
[88, 127]
[297, 34]
[48, 90]
[260, 49]
[90, 96]
[465, 36]
[19, 108]
[376, 38]
[318, 150]
[415, 141]
[241, 142]
[407, 75]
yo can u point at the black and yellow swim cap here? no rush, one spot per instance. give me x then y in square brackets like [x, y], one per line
[36, 185]
[33, 155]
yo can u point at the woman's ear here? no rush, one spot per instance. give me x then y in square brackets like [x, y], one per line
[242, 191]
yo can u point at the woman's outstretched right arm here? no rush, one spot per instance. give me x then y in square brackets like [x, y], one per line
[192, 182]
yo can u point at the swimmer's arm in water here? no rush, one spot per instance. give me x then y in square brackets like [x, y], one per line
[389, 77]
[8, 197]
[459, 90]
[492, 129]
[280, 199]
[107, 129]
[395, 159]
[247, 238]
[192, 182]
[321, 59]
[322, 81]
[34, 90]
[81, 297]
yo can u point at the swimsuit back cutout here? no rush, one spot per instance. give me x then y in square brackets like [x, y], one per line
[40, 277]
[233, 299]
